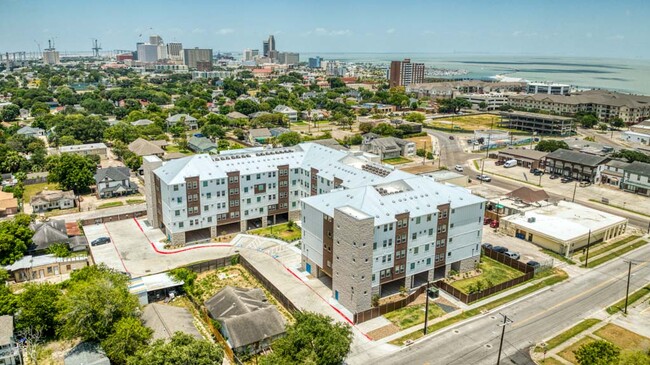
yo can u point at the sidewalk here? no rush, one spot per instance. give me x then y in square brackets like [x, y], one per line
[579, 259]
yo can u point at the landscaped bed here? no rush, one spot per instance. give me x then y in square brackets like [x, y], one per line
[566, 335]
[288, 232]
[491, 273]
[413, 314]
[396, 161]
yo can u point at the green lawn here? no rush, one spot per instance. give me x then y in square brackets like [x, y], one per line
[135, 201]
[601, 260]
[568, 334]
[619, 306]
[557, 277]
[279, 231]
[568, 355]
[110, 205]
[411, 315]
[558, 256]
[493, 272]
[174, 148]
[31, 190]
[396, 161]
[609, 247]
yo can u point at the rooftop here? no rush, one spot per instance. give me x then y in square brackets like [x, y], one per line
[577, 157]
[82, 147]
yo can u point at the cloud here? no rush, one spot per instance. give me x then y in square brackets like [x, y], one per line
[198, 30]
[224, 31]
[390, 31]
[616, 37]
[327, 32]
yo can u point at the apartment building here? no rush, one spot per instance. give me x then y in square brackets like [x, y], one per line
[404, 73]
[548, 88]
[538, 123]
[193, 56]
[605, 104]
[400, 232]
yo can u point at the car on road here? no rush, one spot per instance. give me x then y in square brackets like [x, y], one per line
[513, 255]
[494, 224]
[483, 178]
[533, 264]
[500, 249]
[451, 138]
[487, 245]
[585, 183]
[100, 241]
[458, 168]
[566, 179]
[553, 177]
[487, 220]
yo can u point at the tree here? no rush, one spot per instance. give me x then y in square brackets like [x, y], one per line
[617, 123]
[415, 117]
[10, 113]
[96, 299]
[185, 275]
[71, 171]
[246, 106]
[213, 131]
[632, 155]
[180, 350]
[289, 139]
[59, 250]
[312, 339]
[551, 145]
[129, 335]
[634, 358]
[122, 131]
[597, 353]
[483, 105]
[8, 301]
[15, 238]
[365, 127]
[39, 108]
[587, 120]
[37, 305]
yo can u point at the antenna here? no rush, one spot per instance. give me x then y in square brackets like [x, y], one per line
[96, 48]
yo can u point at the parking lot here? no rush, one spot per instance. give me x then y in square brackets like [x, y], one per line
[527, 250]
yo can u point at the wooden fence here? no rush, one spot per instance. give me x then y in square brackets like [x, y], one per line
[208, 265]
[388, 307]
[528, 273]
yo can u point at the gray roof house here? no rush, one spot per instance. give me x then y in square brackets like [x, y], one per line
[114, 181]
[31, 132]
[86, 353]
[257, 114]
[248, 321]
[190, 121]
[260, 135]
[275, 132]
[142, 147]
[9, 350]
[47, 233]
[201, 145]
[236, 115]
[290, 113]
[578, 165]
[142, 122]
[387, 147]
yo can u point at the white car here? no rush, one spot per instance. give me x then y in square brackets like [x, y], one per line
[459, 168]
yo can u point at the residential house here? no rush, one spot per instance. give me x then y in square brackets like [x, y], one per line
[259, 135]
[389, 147]
[44, 267]
[142, 147]
[142, 123]
[48, 233]
[291, 114]
[52, 199]
[8, 204]
[9, 348]
[202, 145]
[278, 131]
[257, 114]
[86, 353]
[314, 114]
[637, 178]
[31, 132]
[114, 181]
[88, 149]
[190, 122]
[578, 165]
[36, 178]
[236, 116]
[165, 320]
[248, 321]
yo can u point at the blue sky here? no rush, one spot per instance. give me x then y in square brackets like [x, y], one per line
[596, 28]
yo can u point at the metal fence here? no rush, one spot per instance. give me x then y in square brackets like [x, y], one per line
[528, 273]
[208, 265]
[388, 307]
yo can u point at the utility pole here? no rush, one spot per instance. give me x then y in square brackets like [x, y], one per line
[627, 290]
[506, 322]
[574, 192]
[588, 244]
[426, 308]
[424, 158]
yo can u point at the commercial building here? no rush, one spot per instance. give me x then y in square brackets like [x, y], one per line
[545, 124]
[578, 165]
[398, 232]
[404, 73]
[250, 54]
[288, 58]
[635, 137]
[548, 88]
[525, 157]
[175, 51]
[194, 55]
[565, 227]
[98, 149]
[637, 178]
[147, 53]
[315, 62]
[606, 105]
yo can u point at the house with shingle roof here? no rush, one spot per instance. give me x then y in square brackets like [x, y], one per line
[8, 204]
[114, 181]
[31, 132]
[48, 233]
[52, 199]
[201, 145]
[189, 121]
[142, 147]
[142, 122]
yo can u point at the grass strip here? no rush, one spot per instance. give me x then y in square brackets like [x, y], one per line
[110, 205]
[601, 260]
[568, 334]
[610, 247]
[551, 280]
[558, 256]
[618, 306]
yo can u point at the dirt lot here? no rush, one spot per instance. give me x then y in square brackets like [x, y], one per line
[468, 122]
[423, 142]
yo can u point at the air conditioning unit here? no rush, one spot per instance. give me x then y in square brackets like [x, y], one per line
[531, 220]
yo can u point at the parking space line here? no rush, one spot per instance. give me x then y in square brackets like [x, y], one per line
[115, 247]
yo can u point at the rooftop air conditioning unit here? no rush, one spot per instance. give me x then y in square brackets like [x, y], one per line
[531, 220]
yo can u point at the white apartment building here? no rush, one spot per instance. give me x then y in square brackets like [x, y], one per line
[548, 88]
[493, 100]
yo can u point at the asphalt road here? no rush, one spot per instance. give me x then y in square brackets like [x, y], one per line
[535, 318]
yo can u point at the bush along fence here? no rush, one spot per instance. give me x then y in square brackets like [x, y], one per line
[388, 307]
[528, 273]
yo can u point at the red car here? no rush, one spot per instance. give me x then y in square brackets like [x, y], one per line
[494, 224]
[487, 221]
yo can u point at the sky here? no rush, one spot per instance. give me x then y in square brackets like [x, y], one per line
[577, 28]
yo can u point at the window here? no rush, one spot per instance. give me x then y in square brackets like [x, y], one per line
[374, 245]
[208, 195]
[416, 250]
[414, 235]
[426, 247]
[205, 184]
[430, 231]
[428, 217]
[179, 199]
[175, 187]
[245, 189]
[429, 261]
[412, 265]
[180, 224]
[417, 220]
[177, 213]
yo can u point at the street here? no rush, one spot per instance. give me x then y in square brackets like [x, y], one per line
[535, 318]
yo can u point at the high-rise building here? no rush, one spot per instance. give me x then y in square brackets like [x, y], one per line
[147, 53]
[250, 54]
[51, 57]
[271, 43]
[155, 40]
[193, 55]
[175, 51]
[315, 62]
[288, 58]
[404, 73]
[265, 48]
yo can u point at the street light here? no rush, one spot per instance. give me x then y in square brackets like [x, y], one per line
[627, 291]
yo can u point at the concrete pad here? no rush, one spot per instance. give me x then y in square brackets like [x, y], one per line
[373, 324]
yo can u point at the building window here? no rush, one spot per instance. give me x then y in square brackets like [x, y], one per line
[175, 187]
[205, 184]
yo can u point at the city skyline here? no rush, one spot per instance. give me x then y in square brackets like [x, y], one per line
[503, 28]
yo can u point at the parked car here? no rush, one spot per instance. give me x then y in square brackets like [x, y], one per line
[510, 163]
[458, 168]
[483, 178]
[487, 221]
[100, 241]
[451, 138]
[513, 255]
[499, 162]
[500, 249]
[566, 179]
[553, 177]
[585, 183]
[537, 172]
[533, 264]
[494, 224]
[487, 245]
